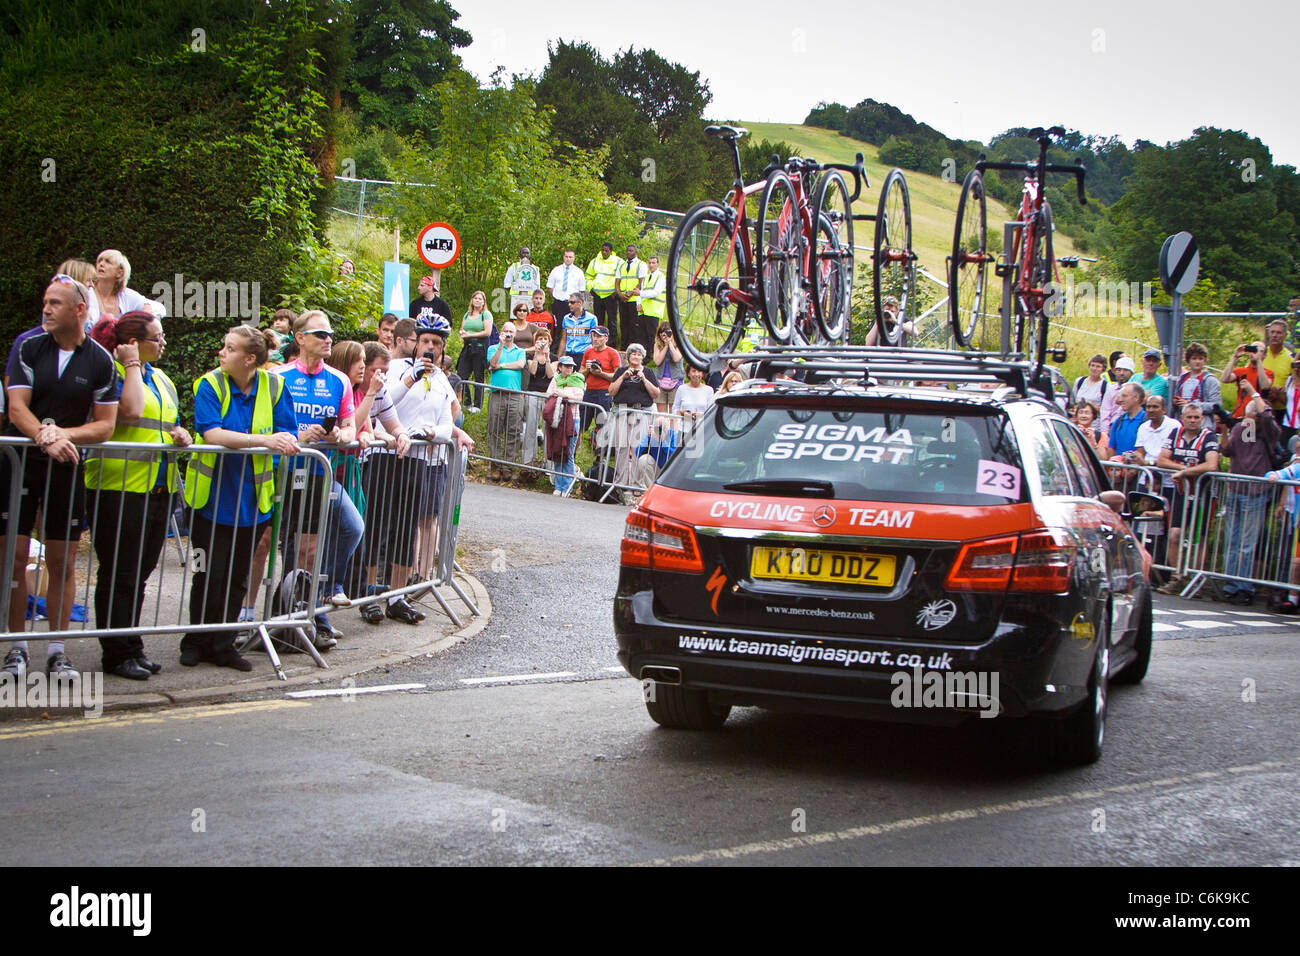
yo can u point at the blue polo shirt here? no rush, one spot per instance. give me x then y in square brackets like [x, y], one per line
[233, 500]
[1124, 430]
[507, 377]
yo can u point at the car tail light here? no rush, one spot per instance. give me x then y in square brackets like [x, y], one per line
[1039, 562]
[1044, 562]
[984, 565]
[651, 541]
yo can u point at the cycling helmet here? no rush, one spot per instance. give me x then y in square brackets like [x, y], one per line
[439, 325]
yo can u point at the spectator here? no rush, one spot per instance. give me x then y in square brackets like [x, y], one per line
[238, 405]
[58, 402]
[602, 275]
[1192, 451]
[347, 268]
[1121, 444]
[652, 303]
[734, 376]
[1290, 602]
[541, 369]
[1152, 437]
[538, 315]
[655, 449]
[562, 426]
[522, 279]
[890, 307]
[323, 407]
[1196, 384]
[130, 495]
[506, 411]
[1152, 382]
[428, 304]
[565, 281]
[1112, 372]
[524, 330]
[1277, 360]
[633, 388]
[599, 362]
[627, 288]
[109, 295]
[1110, 408]
[667, 365]
[425, 403]
[475, 330]
[1085, 416]
[1250, 450]
[575, 330]
[1260, 379]
[1093, 386]
[384, 334]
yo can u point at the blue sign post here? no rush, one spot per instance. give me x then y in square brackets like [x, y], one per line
[397, 289]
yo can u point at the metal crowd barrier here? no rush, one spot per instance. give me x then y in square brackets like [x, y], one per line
[1154, 536]
[121, 583]
[616, 436]
[1245, 532]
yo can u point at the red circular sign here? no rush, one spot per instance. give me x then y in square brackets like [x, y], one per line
[438, 244]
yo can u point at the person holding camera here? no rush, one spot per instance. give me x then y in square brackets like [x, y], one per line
[599, 363]
[633, 387]
[541, 367]
[1254, 372]
[667, 365]
[506, 362]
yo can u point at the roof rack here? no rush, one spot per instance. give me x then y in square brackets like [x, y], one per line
[869, 364]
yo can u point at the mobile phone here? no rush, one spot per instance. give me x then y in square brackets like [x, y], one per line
[329, 422]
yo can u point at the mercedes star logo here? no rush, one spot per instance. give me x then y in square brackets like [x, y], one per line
[824, 516]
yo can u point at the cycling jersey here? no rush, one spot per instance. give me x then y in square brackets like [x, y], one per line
[324, 393]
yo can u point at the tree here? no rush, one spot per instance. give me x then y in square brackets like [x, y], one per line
[403, 48]
[1222, 186]
[827, 116]
[493, 178]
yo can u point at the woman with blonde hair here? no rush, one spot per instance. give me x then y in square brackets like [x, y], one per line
[475, 332]
[108, 293]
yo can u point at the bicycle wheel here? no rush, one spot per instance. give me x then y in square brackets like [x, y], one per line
[966, 267]
[706, 265]
[830, 272]
[892, 254]
[778, 255]
[1031, 335]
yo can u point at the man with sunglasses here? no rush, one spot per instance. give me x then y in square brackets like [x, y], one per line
[62, 392]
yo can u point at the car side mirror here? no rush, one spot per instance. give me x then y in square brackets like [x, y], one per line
[1142, 503]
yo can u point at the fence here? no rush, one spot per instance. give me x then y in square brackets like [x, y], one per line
[631, 444]
[210, 584]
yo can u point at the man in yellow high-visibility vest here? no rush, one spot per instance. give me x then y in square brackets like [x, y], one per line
[631, 272]
[602, 280]
[651, 302]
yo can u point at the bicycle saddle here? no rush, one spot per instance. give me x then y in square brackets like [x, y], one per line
[726, 132]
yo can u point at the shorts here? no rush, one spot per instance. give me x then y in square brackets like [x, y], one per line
[1176, 519]
[55, 489]
[302, 506]
[433, 487]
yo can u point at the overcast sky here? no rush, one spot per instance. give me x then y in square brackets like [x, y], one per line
[1136, 69]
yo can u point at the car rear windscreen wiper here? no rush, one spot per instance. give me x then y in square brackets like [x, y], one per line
[794, 487]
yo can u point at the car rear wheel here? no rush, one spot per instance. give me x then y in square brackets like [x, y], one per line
[671, 705]
[1136, 669]
[1078, 738]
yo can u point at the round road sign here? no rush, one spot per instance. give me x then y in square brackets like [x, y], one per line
[1180, 263]
[438, 244]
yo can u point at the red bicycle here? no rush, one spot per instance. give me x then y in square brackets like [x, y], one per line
[1029, 267]
[792, 266]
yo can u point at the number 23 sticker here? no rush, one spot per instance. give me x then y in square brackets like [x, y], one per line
[996, 478]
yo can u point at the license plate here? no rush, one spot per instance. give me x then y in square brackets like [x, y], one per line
[815, 564]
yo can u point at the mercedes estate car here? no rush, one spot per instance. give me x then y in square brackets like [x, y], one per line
[934, 552]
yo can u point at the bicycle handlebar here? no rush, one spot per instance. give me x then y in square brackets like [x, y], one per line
[1077, 169]
[859, 172]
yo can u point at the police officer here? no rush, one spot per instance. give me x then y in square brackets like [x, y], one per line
[129, 494]
[602, 276]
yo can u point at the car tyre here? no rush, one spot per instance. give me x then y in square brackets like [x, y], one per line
[1077, 739]
[1136, 669]
[671, 705]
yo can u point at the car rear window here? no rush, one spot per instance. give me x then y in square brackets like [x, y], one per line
[965, 456]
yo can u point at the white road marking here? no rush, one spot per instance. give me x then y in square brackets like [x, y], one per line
[620, 669]
[1156, 610]
[1255, 623]
[1158, 627]
[351, 691]
[1250, 613]
[953, 816]
[1203, 625]
[510, 678]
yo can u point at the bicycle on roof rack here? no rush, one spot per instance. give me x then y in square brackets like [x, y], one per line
[1027, 268]
[790, 266]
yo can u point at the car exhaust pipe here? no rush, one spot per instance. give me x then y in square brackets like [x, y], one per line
[662, 675]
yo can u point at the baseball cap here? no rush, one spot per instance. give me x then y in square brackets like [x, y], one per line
[1152, 354]
[600, 330]
[567, 360]
[1126, 363]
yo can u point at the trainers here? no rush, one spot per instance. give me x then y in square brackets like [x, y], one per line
[58, 666]
[557, 493]
[399, 610]
[326, 637]
[338, 598]
[1173, 586]
[15, 662]
[246, 613]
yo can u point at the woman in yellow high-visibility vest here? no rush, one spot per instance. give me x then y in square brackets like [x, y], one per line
[129, 495]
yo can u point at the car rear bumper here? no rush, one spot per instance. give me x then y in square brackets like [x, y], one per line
[1029, 666]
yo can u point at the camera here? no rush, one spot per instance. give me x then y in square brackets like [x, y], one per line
[1249, 348]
